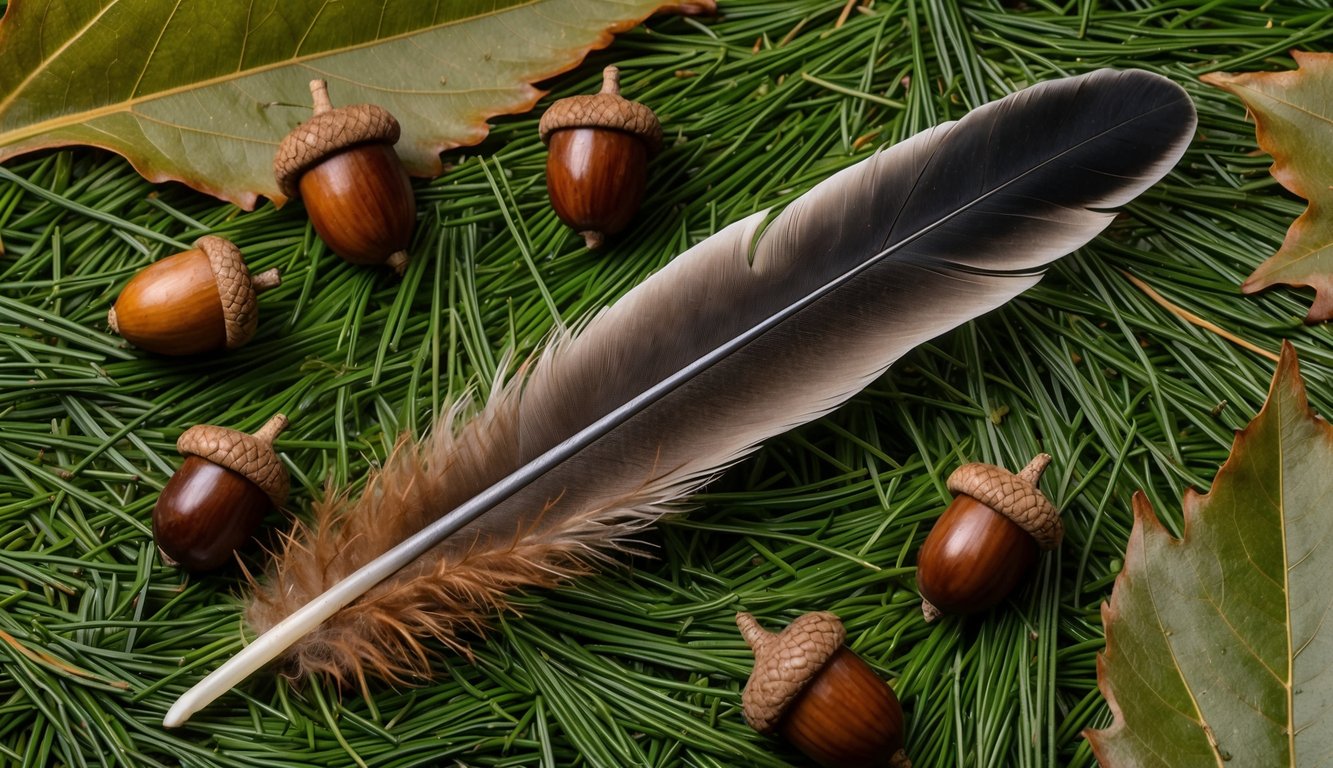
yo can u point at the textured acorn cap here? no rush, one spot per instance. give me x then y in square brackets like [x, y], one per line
[1014, 496]
[250, 455]
[785, 663]
[329, 131]
[236, 288]
[607, 109]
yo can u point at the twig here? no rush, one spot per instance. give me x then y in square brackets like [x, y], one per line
[846, 11]
[1190, 317]
[46, 658]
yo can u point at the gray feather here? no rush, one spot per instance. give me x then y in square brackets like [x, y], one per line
[870, 263]
[762, 327]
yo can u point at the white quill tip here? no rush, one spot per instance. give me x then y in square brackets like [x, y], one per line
[308, 617]
[249, 660]
[302, 622]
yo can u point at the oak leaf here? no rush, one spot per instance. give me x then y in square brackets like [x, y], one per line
[1216, 650]
[1293, 116]
[202, 91]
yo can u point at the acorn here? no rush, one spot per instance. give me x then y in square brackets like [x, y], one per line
[212, 505]
[196, 301]
[342, 162]
[820, 695]
[988, 538]
[597, 166]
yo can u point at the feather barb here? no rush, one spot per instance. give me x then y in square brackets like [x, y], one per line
[766, 325]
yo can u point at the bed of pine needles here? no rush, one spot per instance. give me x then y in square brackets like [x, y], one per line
[643, 666]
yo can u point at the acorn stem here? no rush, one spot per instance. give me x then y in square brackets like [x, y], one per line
[611, 80]
[319, 89]
[265, 280]
[930, 611]
[398, 261]
[167, 560]
[755, 636]
[1032, 472]
[111, 320]
[592, 239]
[899, 760]
[271, 428]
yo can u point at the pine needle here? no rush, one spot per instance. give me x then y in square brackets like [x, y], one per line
[1193, 319]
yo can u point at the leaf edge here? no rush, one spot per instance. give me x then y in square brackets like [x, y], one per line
[1262, 278]
[1286, 376]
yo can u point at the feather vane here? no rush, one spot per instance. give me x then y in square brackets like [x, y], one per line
[768, 324]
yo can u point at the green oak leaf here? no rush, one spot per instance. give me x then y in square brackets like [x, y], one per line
[1293, 117]
[1216, 649]
[202, 91]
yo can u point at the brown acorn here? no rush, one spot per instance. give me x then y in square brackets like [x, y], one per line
[988, 538]
[597, 167]
[820, 696]
[196, 301]
[356, 192]
[212, 505]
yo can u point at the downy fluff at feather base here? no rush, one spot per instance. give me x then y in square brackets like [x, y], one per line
[762, 327]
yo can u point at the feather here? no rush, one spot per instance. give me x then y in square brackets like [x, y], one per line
[770, 323]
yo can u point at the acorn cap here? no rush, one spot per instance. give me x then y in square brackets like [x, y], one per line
[236, 288]
[607, 109]
[249, 455]
[1014, 496]
[785, 663]
[329, 131]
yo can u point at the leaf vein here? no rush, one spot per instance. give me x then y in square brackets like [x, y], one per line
[41, 66]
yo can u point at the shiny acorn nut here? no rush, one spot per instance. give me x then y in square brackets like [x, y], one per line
[196, 301]
[342, 162]
[820, 696]
[212, 505]
[597, 166]
[987, 540]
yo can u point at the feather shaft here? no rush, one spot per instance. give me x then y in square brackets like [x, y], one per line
[762, 327]
[280, 636]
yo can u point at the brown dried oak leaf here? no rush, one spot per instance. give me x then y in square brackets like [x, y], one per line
[1293, 115]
